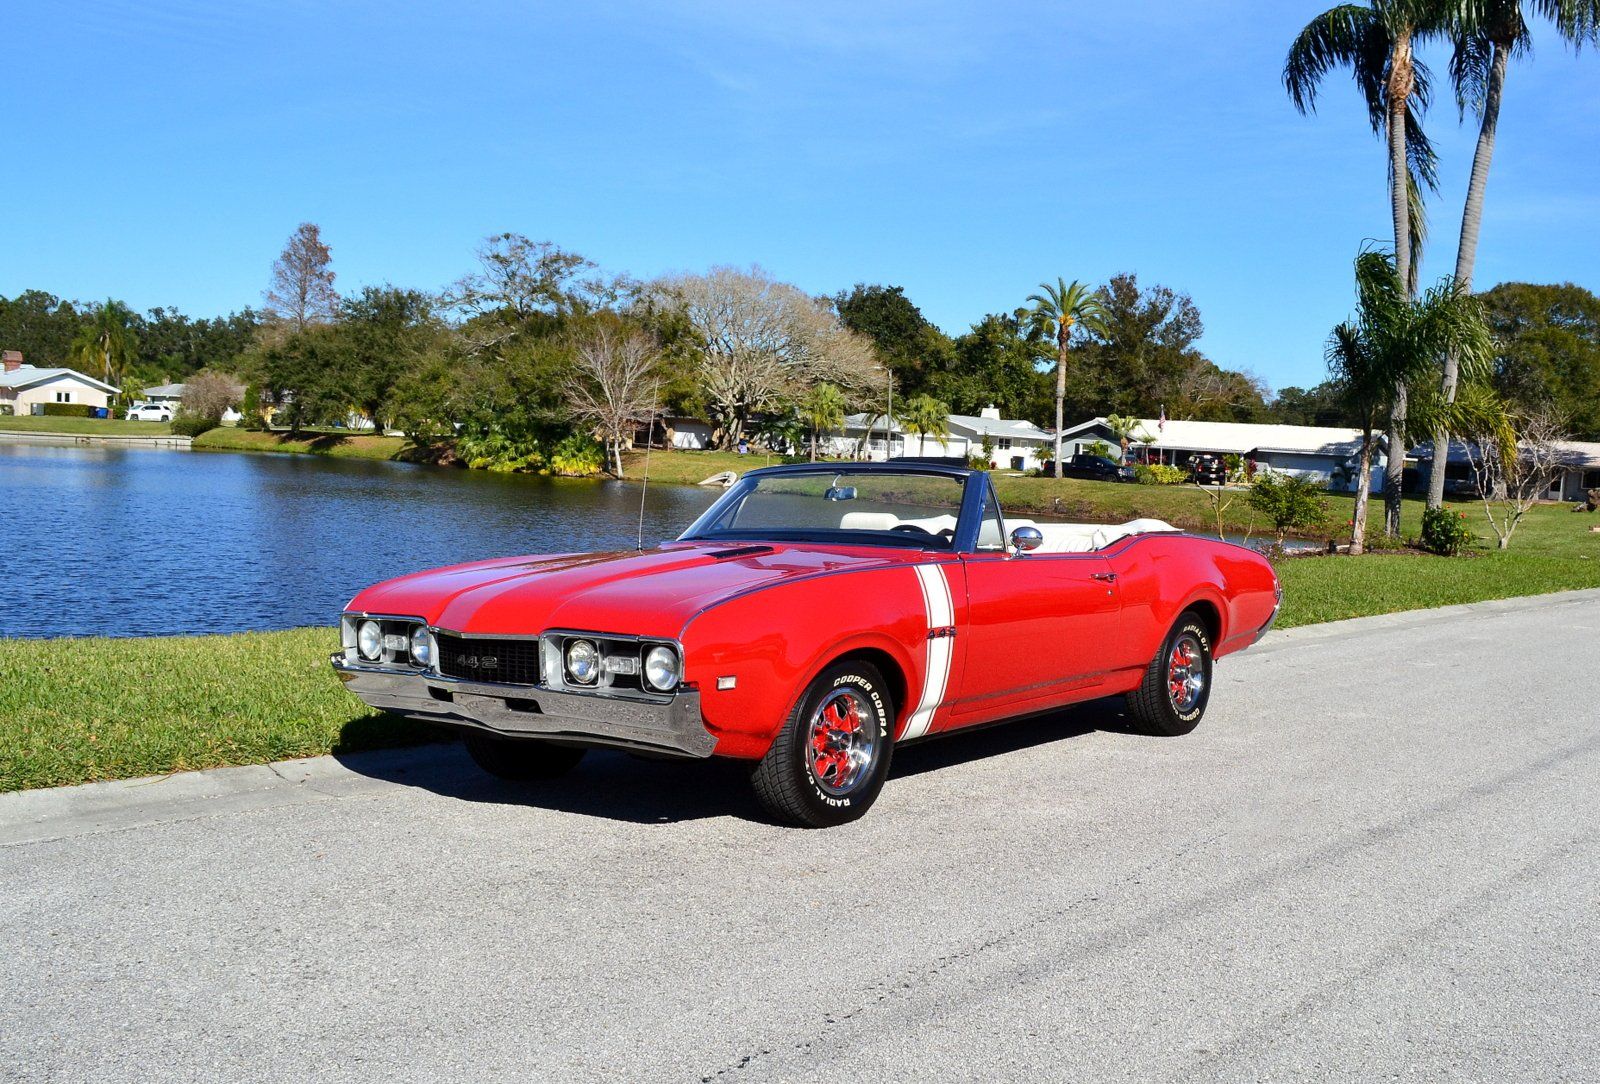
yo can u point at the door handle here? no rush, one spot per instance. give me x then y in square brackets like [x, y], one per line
[1104, 577]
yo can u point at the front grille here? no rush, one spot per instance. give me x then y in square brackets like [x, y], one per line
[511, 662]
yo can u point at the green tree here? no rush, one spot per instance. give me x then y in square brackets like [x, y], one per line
[1489, 34]
[1547, 351]
[926, 417]
[41, 325]
[1055, 311]
[822, 409]
[1126, 430]
[305, 373]
[1290, 502]
[387, 331]
[911, 347]
[1393, 340]
[1139, 354]
[105, 345]
[995, 363]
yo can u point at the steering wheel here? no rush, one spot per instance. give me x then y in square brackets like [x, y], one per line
[911, 528]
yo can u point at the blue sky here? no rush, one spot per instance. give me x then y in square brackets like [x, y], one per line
[161, 152]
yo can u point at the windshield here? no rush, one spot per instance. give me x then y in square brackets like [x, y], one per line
[842, 505]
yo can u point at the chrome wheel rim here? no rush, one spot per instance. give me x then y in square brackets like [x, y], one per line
[1186, 673]
[842, 742]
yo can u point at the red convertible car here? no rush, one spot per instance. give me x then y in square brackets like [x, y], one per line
[813, 619]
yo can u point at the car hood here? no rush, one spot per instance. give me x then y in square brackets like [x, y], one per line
[653, 593]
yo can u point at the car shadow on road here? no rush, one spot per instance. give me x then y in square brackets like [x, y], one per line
[643, 790]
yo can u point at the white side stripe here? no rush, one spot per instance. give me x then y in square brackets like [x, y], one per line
[941, 615]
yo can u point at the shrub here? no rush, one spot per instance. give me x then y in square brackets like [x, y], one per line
[1445, 532]
[578, 454]
[1289, 502]
[187, 424]
[68, 410]
[1159, 474]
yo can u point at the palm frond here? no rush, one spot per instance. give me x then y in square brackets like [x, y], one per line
[1338, 37]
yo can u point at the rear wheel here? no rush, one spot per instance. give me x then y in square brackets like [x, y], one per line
[522, 759]
[1177, 684]
[829, 761]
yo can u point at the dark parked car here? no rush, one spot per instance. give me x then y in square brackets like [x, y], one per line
[1208, 470]
[1097, 467]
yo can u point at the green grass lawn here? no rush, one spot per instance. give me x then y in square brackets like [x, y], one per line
[74, 711]
[94, 427]
[341, 445]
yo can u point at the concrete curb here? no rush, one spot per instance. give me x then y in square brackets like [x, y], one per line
[35, 816]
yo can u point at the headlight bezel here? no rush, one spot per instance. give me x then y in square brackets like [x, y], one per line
[649, 653]
[595, 655]
[365, 626]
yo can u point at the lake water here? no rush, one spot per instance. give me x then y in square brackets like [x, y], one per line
[113, 541]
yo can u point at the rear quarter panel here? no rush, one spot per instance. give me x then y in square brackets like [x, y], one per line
[774, 640]
[1162, 575]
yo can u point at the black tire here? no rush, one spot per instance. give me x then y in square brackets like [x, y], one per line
[836, 785]
[522, 759]
[1155, 705]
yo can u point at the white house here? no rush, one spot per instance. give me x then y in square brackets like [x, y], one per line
[26, 389]
[1330, 455]
[1017, 445]
[1580, 469]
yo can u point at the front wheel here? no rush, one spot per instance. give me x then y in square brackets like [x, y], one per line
[829, 761]
[1177, 683]
[522, 759]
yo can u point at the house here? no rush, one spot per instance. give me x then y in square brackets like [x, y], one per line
[1329, 455]
[1017, 445]
[1580, 470]
[26, 389]
[172, 395]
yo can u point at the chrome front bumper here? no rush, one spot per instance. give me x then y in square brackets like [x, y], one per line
[672, 726]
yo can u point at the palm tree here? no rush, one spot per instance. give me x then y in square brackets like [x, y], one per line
[1377, 42]
[1056, 311]
[1490, 33]
[1394, 340]
[926, 416]
[105, 345]
[1127, 430]
[822, 409]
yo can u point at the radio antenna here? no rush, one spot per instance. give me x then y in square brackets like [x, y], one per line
[649, 439]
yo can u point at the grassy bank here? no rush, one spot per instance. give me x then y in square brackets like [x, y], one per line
[83, 427]
[340, 445]
[73, 711]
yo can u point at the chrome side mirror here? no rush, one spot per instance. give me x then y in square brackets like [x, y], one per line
[1026, 539]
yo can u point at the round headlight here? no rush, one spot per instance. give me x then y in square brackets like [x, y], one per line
[421, 645]
[369, 641]
[583, 662]
[661, 668]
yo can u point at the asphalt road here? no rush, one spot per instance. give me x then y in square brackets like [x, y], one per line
[1378, 858]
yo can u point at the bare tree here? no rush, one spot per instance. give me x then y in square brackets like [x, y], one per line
[1514, 468]
[761, 342]
[209, 395]
[619, 376]
[301, 292]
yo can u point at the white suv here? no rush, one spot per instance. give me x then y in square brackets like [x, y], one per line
[150, 412]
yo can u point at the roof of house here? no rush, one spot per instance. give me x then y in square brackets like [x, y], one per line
[1575, 453]
[28, 375]
[1239, 438]
[165, 391]
[1014, 428]
[996, 427]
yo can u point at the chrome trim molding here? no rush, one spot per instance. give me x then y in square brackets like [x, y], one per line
[674, 725]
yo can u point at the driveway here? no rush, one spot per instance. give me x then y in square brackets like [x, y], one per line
[1378, 857]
